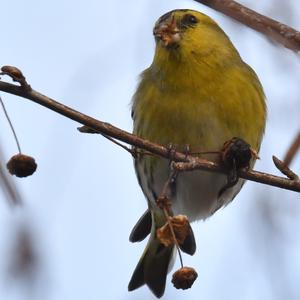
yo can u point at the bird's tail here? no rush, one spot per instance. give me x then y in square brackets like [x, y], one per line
[156, 261]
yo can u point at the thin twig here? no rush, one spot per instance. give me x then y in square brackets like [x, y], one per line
[85, 129]
[278, 32]
[174, 236]
[204, 152]
[284, 169]
[10, 124]
[164, 203]
[292, 151]
[119, 134]
[129, 150]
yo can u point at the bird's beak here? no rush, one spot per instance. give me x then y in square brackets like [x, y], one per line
[167, 32]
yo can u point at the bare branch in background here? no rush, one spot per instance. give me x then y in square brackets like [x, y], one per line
[24, 257]
[6, 184]
[24, 263]
[278, 32]
[292, 151]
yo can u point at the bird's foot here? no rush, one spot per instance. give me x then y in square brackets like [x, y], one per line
[171, 151]
[186, 150]
[236, 154]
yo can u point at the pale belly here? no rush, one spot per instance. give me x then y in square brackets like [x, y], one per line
[194, 194]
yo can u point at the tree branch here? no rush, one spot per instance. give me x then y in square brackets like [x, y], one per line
[278, 32]
[261, 177]
[119, 134]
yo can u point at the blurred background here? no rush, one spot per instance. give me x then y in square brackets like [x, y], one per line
[69, 239]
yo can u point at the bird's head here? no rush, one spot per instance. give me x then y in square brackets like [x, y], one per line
[187, 33]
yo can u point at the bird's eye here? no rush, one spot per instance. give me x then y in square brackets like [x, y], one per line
[189, 20]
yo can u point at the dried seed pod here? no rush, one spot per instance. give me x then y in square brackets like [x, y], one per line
[21, 165]
[184, 278]
[164, 202]
[181, 227]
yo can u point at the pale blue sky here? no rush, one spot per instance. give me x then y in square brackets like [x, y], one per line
[84, 199]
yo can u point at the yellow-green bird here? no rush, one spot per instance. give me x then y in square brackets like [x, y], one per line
[197, 92]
